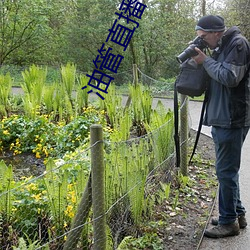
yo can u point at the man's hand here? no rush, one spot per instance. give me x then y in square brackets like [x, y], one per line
[200, 58]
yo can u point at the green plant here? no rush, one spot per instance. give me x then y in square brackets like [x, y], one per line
[82, 97]
[184, 181]
[161, 128]
[56, 187]
[6, 184]
[68, 74]
[141, 104]
[28, 245]
[62, 104]
[164, 191]
[44, 137]
[147, 241]
[33, 85]
[30, 208]
[5, 89]
[126, 173]
[112, 106]
[176, 199]
[48, 98]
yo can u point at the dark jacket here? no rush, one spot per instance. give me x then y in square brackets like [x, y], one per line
[229, 90]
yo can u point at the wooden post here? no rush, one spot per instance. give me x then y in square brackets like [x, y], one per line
[80, 218]
[98, 195]
[184, 135]
[135, 74]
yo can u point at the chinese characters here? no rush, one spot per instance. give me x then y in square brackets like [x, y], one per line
[118, 34]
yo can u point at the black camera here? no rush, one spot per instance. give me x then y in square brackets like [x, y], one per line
[190, 51]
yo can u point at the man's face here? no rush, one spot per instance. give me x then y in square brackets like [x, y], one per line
[211, 38]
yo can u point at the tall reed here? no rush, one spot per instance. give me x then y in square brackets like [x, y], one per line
[161, 132]
[112, 106]
[68, 74]
[6, 184]
[33, 86]
[56, 184]
[5, 90]
[141, 106]
[48, 97]
[82, 97]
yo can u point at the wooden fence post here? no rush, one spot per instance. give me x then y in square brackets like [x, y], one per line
[135, 74]
[80, 218]
[98, 194]
[184, 135]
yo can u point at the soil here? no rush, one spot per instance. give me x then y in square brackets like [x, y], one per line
[187, 222]
[25, 164]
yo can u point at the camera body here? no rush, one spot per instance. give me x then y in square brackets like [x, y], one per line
[190, 51]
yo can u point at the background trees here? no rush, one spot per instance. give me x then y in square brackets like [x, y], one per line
[54, 32]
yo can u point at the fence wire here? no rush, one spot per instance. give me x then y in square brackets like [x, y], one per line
[44, 210]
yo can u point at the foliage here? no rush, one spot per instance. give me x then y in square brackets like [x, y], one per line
[82, 97]
[161, 126]
[43, 137]
[68, 73]
[22, 23]
[22, 245]
[141, 106]
[51, 200]
[30, 204]
[43, 206]
[236, 13]
[5, 89]
[147, 241]
[52, 32]
[113, 108]
[6, 184]
[34, 81]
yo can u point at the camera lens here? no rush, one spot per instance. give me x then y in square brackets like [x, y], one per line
[190, 51]
[187, 53]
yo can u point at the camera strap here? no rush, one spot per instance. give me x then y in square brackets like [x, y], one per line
[176, 126]
[199, 127]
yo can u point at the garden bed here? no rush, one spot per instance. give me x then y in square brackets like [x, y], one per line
[186, 224]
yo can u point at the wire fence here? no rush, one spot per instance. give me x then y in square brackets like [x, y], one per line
[55, 210]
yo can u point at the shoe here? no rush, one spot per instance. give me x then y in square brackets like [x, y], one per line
[221, 231]
[241, 219]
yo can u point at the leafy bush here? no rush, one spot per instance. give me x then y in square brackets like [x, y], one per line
[43, 137]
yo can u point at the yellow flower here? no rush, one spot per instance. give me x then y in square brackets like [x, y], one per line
[37, 196]
[6, 132]
[69, 211]
[73, 199]
[31, 187]
[45, 151]
[12, 145]
[14, 209]
[38, 155]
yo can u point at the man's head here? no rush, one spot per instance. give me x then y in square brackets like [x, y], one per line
[211, 29]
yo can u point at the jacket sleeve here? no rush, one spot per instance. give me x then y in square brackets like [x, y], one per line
[234, 66]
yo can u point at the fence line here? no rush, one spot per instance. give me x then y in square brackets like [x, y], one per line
[123, 209]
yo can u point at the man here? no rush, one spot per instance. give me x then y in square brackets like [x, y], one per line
[228, 112]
